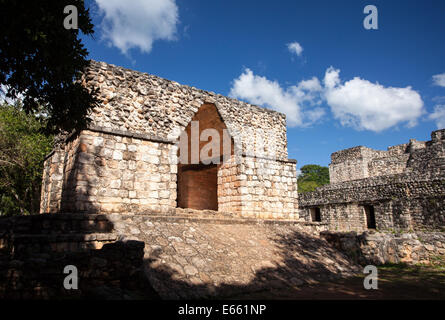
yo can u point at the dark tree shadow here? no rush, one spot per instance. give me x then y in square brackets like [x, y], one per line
[305, 260]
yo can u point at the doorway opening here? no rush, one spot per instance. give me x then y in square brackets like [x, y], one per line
[370, 216]
[198, 187]
[316, 214]
[197, 176]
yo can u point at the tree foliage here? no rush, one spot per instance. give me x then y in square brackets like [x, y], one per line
[23, 147]
[40, 60]
[312, 176]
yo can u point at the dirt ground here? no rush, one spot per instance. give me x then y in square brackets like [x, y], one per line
[395, 281]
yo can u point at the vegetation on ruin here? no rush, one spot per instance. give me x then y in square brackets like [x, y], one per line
[312, 176]
[23, 147]
[40, 60]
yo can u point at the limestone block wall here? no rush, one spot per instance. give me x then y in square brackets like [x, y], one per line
[52, 182]
[268, 188]
[147, 104]
[348, 170]
[229, 197]
[256, 187]
[104, 172]
[431, 159]
[400, 202]
[420, 213]
[344, 217]
[380, 247]
[351, 164]
[110, 172]
[389, 214]
[362, 162]
[415, 157]
[387, 165]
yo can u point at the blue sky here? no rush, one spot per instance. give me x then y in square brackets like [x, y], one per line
[344, 86]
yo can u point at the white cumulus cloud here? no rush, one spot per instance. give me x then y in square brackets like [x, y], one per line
[439, 79]
[295, 47]
[365, 105]
[439, 116]
[138, 23]
[299, 102]
[357, 103]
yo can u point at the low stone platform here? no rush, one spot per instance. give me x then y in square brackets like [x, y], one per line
[184, 255]
[190, 256]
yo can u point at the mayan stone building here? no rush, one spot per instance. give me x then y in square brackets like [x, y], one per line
[401, 188]
[154, 146]
[151, 147]
[189, 194]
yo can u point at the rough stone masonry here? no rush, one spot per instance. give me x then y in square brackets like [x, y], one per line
[120, 204]
[126, 161]
[402, 188]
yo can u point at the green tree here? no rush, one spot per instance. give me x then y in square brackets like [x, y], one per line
[312, 176]
[41, 60]
[23, 147]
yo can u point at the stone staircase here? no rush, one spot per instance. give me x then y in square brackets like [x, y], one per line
[55, 233]
[34, 251]
[186, 254]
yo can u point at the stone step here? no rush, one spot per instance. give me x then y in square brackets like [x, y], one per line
[74, 237]
[56, 224]
[32, 243]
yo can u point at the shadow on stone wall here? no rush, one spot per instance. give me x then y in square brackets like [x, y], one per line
[34, 251]
[377, 248]
[82, 181]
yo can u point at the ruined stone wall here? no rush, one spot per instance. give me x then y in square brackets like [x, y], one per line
[229, 199]
[387, 165]
[105, 172]
[361, 162]
[342, 216]
[34, 251]
[268, 188]
[400, 202]
[52, 182]
[378, 248]
[254, 187]
[411, 199]
[429, 160]
[145, 104]
[415, 157]
[112, 172]
[351, 164]
[125, 160]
